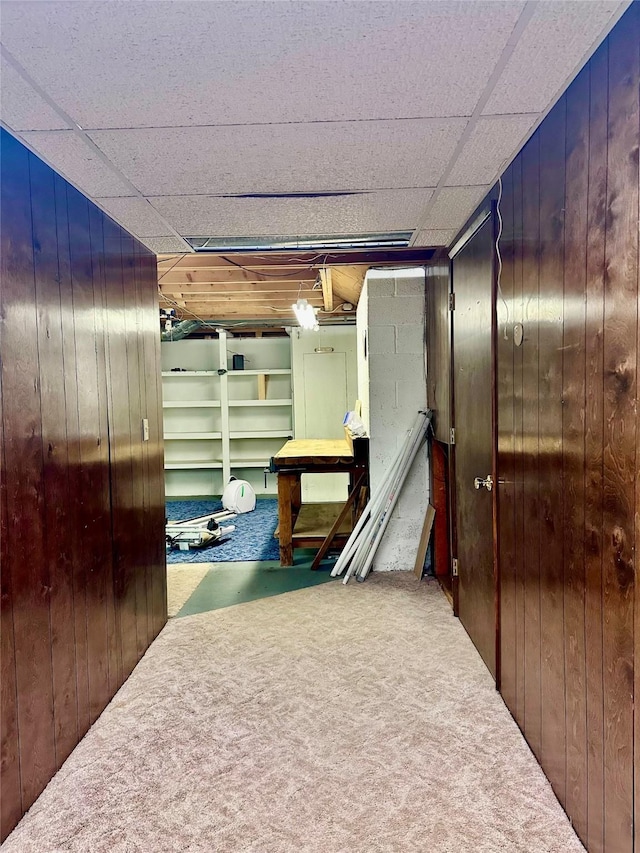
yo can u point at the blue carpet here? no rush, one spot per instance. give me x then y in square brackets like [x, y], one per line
[251, 540]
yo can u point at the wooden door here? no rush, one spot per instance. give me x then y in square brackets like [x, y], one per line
[472, 405]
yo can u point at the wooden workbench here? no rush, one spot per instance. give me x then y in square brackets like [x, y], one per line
[307, 526]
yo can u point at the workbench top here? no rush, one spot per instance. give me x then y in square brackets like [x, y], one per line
[303, 450]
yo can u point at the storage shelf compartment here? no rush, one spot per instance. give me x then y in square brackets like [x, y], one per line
[271, 433]
[260, 402]
[179, 436]
[191, 404]
[190, 373]
[189, 482]
[217, 422]
[190, 464]
[270, 371]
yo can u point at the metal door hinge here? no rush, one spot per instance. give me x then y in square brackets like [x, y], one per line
[454, 567]
[452, 302]
[452, 435]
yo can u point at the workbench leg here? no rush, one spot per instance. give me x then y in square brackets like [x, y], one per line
[353, 494]
[286, 483]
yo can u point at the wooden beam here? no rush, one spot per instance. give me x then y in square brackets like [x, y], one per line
[233, 276]
[251, 311]
[240, 296]
[206, 261]
[327, 288]
[295, 258]
[348, 281]
[175, 285]
[425, 536]
[225, 299]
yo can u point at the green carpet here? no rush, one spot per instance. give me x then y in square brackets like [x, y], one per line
[226, 584]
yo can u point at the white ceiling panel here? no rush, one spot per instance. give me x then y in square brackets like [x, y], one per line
[492, 141]
[66, 151]
[204, 216]
[182, 101]
[451, 207]
[284, 158]
[163, 245]
[149, 64]
[21, 107]
[138, 215]
[435, 237]
[557, 40]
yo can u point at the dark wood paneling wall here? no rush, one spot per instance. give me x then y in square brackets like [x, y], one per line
[83, 570]
[568, 442]
[568, 439]
[438, 320]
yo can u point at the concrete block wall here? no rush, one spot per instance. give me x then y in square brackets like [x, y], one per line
[395, 319]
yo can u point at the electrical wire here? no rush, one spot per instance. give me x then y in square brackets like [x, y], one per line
[173, 266]
[339, 308]
[208, 323]
[265, 274]
[499, 256]
[298, 260]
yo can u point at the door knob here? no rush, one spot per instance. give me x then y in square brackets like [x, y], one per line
[487, 482]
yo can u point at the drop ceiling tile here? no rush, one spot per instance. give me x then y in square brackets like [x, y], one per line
[435, 237]
[558, 39]
[22, 108]
[452, 207]
[382, 211]
[123, 64]
[68, 154]
[284, 158]
[138, 215]
[492, 141]
[165, 245]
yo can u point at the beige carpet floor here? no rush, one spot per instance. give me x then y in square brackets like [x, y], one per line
[182, 579]
[331, 719]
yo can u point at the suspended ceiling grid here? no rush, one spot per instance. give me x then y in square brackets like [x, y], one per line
[185, 119]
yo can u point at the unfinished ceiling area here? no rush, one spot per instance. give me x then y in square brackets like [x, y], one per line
[296, 119]
[258, 288]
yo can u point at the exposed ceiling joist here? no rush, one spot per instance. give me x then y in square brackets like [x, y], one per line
[327, 288]
[264, 287]
[348, 281]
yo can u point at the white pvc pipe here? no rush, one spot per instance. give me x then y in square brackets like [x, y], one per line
[369, 511]
[361, 557]
[377, 501]
[389, 485]
[387, 517]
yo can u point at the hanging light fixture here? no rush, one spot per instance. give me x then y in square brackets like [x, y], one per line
[305, 315]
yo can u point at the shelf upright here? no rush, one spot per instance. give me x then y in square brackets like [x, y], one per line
[224, 408]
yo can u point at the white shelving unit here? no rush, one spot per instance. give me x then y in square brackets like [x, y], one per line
[220, 422]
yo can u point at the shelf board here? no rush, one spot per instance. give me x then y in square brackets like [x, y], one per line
[249, 463]
[180, 436]
[191, 404]
[190, 373]
[267, 433]
[177, 466]
[278, 371]
[260, 402]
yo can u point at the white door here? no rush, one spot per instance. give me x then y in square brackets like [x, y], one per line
[324, 389]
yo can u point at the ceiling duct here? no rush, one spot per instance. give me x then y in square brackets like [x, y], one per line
[181, 330]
